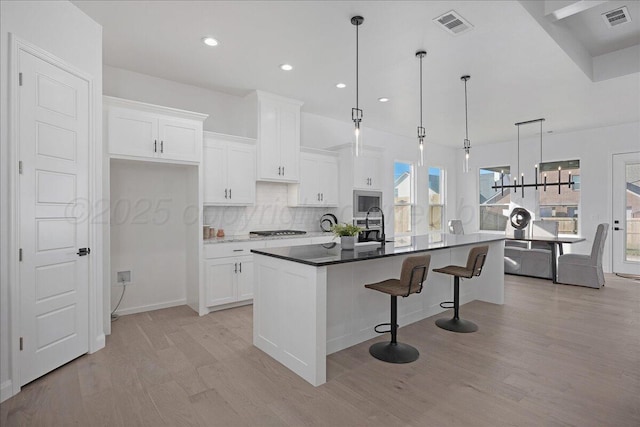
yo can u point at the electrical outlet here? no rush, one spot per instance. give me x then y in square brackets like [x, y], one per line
[123, 277]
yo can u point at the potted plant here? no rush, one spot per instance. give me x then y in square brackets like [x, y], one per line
[348, 234]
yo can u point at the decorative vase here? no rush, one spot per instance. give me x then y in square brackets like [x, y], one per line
[348, 243]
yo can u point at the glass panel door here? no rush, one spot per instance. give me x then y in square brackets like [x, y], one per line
[626, 213]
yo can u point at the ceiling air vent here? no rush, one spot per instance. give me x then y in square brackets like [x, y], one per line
[453, 23]
[616, 17]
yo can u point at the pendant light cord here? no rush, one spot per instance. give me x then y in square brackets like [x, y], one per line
[466, 114]
[518, 152]
[421, 92]
[541, 144]
[357, 55]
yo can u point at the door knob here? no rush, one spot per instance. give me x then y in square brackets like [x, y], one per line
[83, 251]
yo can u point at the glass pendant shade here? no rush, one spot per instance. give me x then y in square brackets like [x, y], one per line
[422, 133]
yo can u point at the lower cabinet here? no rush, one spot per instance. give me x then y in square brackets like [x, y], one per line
[229, 280]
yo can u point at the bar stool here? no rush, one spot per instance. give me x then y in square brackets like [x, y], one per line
[475, 262]
[413, 274]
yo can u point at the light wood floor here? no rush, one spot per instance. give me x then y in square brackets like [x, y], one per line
[552, 355]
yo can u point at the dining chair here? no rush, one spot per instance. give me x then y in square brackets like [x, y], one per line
[585, 270]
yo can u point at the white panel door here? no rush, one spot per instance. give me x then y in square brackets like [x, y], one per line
[625, 230]
[328, 176]
[269, 166]
[241, 174]
[289, 132]
[53, 190]
[133, 133]
[245, 278]
[215, 173]
[309, 190]
[221, 277]
[179, 140]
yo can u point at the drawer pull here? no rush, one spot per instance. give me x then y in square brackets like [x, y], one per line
[238, 250]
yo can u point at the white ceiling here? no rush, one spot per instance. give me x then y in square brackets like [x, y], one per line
[518, 72]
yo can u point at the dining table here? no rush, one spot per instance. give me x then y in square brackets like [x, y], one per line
[555, 244]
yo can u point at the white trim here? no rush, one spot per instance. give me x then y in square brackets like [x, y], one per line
[96, 338]
[6, 390]
[151, 307]
[112, 101]
[234, 138]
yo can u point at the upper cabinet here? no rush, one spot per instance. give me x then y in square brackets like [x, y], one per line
[366, 171]
[275, 122]
[151, 132]
[229, 165]
[318, 184]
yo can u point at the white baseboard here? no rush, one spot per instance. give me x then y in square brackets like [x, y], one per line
[150, 307]
[6, 390]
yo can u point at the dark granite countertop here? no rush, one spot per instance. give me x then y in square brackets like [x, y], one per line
[332, 253]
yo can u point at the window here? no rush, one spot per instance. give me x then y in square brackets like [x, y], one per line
[402, 198]
[436, 199]
[494, 204]
[563, 206]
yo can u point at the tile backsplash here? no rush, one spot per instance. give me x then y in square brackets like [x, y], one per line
[269, 213]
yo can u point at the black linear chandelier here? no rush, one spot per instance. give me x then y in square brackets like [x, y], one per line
[569, 182]
[421, 131]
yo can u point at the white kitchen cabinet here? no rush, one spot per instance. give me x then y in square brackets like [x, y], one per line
[366, 172]
[228, 280]
[318, 184]
[229, 170]
[152, 132]
[275, 123]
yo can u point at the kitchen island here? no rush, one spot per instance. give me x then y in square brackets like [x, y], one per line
[310, 301]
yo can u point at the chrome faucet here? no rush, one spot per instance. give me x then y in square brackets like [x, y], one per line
[381, 236]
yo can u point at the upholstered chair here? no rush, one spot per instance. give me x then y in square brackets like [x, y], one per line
[585, 270]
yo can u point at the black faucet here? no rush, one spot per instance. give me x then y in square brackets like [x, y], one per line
[381, 236]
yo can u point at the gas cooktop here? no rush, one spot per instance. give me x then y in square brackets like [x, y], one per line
[277, 232]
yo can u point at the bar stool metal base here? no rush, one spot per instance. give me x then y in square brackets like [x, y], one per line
[457, 325]
[394, 352]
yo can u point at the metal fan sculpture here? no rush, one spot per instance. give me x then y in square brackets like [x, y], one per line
[520, 218]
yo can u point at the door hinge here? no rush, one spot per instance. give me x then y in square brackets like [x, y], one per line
[20, 255]
[21, 344]
[19, 79]
[20, 167]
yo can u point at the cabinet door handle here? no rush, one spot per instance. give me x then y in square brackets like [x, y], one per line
[162, 146]
[283, 171]
[240, 267]
[322, 197]
[279, 170]
[229, 193]
[238, 250]
[235, 265]
[225, 193]
[155, 145]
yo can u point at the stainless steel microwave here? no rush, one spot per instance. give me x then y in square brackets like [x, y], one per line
[365, 200]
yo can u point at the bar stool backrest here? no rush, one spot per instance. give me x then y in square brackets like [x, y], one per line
[414, 272]
[477, 257]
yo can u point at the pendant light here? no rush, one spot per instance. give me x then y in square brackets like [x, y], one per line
[356, 113]
[421, 132]
[467, 143]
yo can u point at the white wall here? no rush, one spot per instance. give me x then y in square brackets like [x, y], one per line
[593, 147]
[63, 30]
[223, 109]
[150, 219]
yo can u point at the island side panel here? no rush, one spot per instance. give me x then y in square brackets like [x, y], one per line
[490, 284]
[289, 315]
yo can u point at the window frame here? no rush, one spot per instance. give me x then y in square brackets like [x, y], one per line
[412, 198]
[507, 180]
[567, 165]
[443, 200]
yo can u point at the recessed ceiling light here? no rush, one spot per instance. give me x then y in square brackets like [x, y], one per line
[341, 85]
[383, 99]
[286, 67]
[210, 41]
